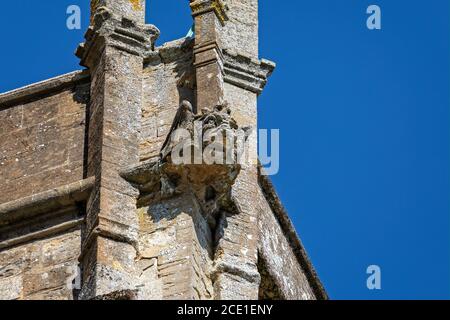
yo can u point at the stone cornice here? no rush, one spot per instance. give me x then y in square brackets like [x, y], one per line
[246, 72]
[120, 33]
[171, 51]
[199, 7]
[44, 214]
[41, 234]
[208, 53]
[44, 202]
[39, 89]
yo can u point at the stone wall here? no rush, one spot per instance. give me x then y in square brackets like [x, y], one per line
[42, 142]
[41, 269]
[175, 250]
[42, 137]
[241, 32]
[279, 258]
[173, 63]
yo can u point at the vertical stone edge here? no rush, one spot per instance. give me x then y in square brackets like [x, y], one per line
[116, 42]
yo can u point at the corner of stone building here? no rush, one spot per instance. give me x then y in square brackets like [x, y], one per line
[146, 228]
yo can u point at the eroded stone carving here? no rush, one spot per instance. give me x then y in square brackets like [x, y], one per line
[201, 155]
[184, 119]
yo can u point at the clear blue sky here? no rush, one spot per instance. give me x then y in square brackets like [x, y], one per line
[364, 120]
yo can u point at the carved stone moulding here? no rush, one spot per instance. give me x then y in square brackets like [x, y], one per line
[133, 9]
[210, 184]
[199, 7]
[246, 72]
[43, 214]
[107, 29]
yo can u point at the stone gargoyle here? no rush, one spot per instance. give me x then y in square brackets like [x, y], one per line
[202, 155]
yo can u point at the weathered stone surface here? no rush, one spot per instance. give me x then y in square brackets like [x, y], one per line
[116, 43]
[240, 33]
[65, 196]
[281, 262]
[177, 240]
[246, 72]
[41, 269]
[210, 17]
[42, 142]
[131, 9]
[11, 288]
[268, 289]
[41, 89]
[172, 62]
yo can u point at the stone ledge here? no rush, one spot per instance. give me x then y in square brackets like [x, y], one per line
[291, 234]
[118, 295]
[236, 268]
[44, 202]
[246, 72]
[142, 173]
[170, 51]
[37, 89]
[41, 234]
[110, 30]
